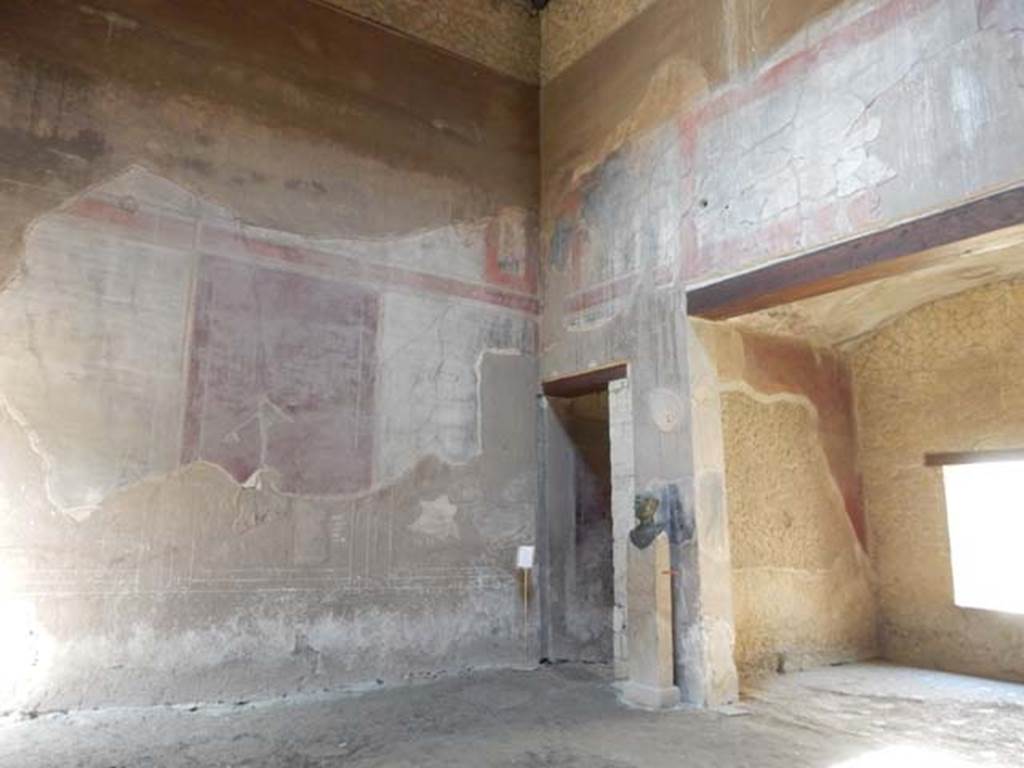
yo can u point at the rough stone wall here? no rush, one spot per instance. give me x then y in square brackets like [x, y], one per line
[570, 28]
[802, 582]
[268, 310]
[501, 34]
[945, 377]
[700, 139]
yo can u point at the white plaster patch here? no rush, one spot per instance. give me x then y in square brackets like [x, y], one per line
[97, 328]
[967, 98]
[450, 251]
[437, 519]
[94, 342]
[744, 388]
[428, 380]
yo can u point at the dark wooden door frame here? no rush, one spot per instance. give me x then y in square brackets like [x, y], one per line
[551, 448]
[584, 383]
[904, 247]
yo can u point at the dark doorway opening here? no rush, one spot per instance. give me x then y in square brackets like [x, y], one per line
[582, 571]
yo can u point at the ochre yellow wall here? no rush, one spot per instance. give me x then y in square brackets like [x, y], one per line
[802, 587]
[946, 377]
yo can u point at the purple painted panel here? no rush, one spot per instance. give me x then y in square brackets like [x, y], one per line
[282, 377]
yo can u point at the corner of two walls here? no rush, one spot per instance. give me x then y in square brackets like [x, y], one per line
[945, 377]
[206, 173]
[803, 587]
[698, 140]
[838, 531]
[269, 321]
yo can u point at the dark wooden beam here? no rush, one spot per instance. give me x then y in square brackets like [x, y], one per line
[972, 457]
[902, 248]
[584, 383]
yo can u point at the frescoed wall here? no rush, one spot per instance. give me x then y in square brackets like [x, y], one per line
[691, 140]
[802, 579]
[269, 332]
[714, 165]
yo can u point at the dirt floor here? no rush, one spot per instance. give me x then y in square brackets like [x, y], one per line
[856, 716]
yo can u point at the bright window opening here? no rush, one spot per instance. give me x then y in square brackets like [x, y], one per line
[985, 508]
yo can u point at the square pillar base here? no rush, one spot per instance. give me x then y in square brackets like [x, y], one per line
[650, 698]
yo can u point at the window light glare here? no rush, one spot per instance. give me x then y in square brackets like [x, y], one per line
[985, 511]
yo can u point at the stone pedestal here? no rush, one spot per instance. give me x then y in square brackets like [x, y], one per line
[649, 626]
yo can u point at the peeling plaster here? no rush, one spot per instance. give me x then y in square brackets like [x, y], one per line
[437, 519]
[199, 500]
[149, 215]
[154, 509]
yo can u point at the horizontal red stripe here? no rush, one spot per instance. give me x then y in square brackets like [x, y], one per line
[169, 231]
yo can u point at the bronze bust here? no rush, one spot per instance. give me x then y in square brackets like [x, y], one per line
[646, 531]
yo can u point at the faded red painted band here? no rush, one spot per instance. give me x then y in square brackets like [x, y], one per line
[613, 289]
[601, 294]
[166, 230]
[861, 30]
[781, 237]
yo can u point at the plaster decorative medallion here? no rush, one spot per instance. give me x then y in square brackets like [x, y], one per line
[667, 409]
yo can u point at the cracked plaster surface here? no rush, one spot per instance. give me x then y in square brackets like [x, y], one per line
[135, 346]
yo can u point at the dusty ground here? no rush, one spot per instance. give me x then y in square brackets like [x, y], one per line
[874, 716]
